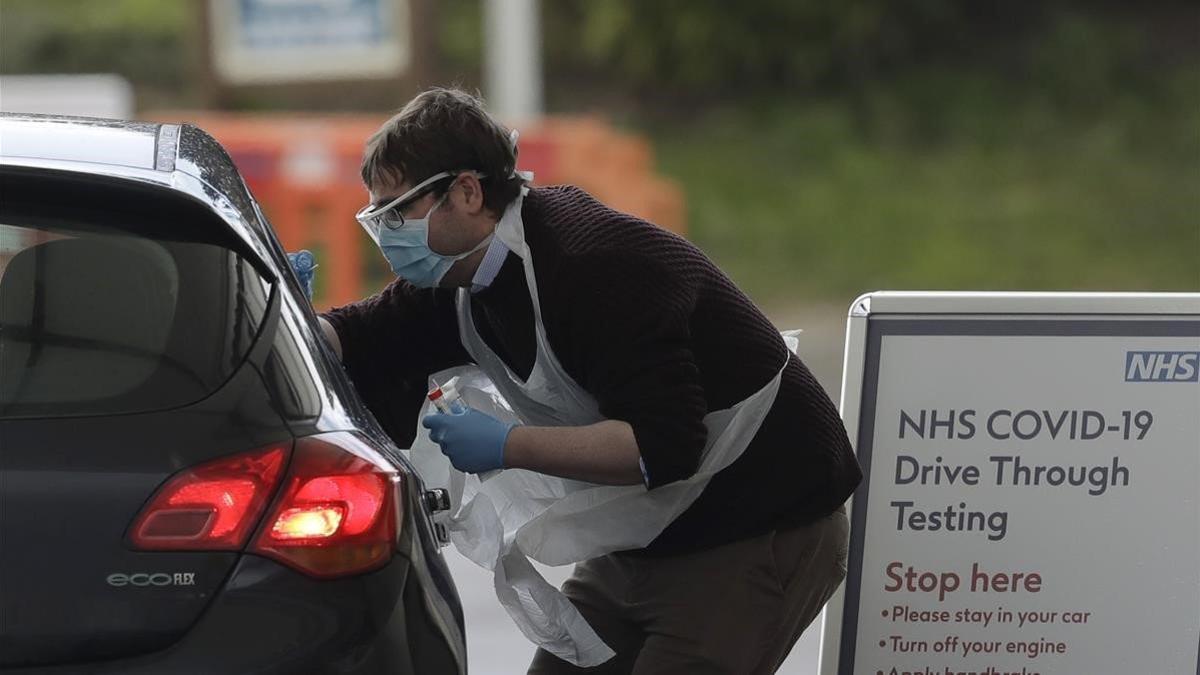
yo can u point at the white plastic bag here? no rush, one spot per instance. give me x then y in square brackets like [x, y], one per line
[483, 519]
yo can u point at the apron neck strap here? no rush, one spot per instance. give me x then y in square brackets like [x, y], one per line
[511, 230]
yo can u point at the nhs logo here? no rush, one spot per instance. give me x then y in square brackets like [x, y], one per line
[1162, 366]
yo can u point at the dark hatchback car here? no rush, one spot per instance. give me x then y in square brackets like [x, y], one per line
[188, 481]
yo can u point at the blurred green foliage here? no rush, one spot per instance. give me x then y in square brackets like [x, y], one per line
[1004, 192]
[1075, 165]
[828, 148]
[150, 42]
[680, 44]
[721, 47]
[715, 50]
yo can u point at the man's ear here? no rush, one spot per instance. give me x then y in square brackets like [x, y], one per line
[470, 194]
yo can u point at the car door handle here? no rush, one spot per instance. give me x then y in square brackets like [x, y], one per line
[437, 500]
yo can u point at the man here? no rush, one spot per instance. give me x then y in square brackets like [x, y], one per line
[619, 343]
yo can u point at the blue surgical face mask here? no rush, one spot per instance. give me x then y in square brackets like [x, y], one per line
[408, 253]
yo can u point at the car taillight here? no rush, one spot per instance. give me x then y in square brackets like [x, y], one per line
[338, 511]
[212, 506]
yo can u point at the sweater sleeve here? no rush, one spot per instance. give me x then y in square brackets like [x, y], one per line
[630, 343]
[391, 342]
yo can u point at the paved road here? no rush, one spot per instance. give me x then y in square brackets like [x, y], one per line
[496, 647]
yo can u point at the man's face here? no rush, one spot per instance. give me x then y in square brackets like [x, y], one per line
[444, 237]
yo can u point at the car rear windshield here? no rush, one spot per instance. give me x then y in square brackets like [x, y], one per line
[117, 298]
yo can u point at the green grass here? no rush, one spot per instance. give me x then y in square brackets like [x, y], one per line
[945, 184]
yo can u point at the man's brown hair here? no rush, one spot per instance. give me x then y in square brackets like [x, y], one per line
[444, 130]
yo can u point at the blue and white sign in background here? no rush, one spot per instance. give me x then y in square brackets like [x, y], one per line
[1031, 503]
[267, 41]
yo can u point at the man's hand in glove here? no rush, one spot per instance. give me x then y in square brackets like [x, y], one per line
[303, 263]
[473, 441]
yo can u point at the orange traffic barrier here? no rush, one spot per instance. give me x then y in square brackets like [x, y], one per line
[303, 170]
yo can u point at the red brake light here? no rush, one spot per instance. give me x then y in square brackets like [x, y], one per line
[213, 506]
[338, 511]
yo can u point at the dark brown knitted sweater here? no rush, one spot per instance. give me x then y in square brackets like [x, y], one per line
[649, 326]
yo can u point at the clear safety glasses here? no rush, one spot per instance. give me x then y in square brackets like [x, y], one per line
[375, 218]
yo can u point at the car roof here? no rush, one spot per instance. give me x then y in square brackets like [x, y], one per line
[79, 139]
[177, 157]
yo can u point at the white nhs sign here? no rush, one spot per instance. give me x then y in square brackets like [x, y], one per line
[1162, 366]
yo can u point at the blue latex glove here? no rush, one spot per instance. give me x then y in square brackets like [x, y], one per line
[474, 441]
[303, 263]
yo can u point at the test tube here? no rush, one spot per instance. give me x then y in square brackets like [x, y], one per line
[446, 399]
[454, 401]
[438, 397]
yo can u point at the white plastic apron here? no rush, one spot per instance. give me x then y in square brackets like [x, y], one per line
[503, 521]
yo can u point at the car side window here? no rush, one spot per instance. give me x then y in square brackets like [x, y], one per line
[98, 321]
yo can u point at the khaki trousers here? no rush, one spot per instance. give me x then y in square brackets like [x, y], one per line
[736, 609]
